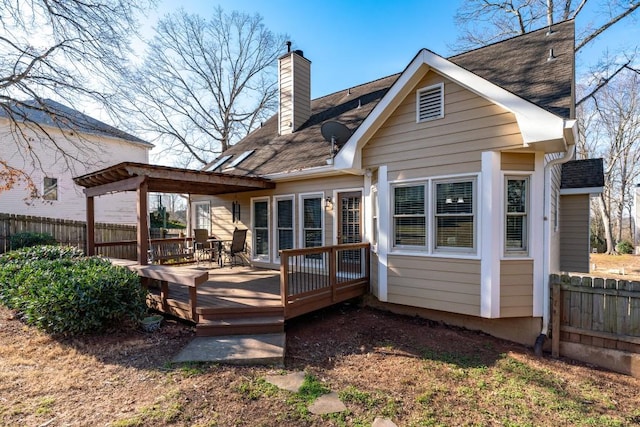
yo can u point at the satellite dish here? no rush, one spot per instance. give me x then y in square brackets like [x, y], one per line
[335, 132]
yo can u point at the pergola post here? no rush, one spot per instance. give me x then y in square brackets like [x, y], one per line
[91, 230]
[143, 223]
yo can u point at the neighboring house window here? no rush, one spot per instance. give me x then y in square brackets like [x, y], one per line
[202, 215]
[454, 215]
[517, 210]
[284, 223]
[50, 190]
[410, 215]
[312, 220]
[260, 223]
[430, 103]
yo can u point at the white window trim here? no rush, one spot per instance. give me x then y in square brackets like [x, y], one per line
[516, 254]
[292, 197]
[427, 224]
[429, 248]
[195, 214]
[474, 192]
[254, 256]
[426, 89]
[301, 198]
[375, 217]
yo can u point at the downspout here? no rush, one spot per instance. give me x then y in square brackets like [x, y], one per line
[546, 261]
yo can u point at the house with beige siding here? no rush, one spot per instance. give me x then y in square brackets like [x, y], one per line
[458, 171]
[49, 130]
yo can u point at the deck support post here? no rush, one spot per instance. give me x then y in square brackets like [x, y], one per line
[91, 227]
[164, 295]
[143, 223]
[193, 301]
[284, 279]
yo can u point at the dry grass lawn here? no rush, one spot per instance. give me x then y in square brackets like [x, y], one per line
[416, 372]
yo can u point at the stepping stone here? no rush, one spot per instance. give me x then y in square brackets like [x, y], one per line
[266, 349]
[327, 404]
[290, 382]
[383, 422]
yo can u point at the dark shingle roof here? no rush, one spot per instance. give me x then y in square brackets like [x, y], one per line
[51, 113]
[519, 65]
[588, 173]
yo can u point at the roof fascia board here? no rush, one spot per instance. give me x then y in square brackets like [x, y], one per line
[536, 124]
[316, 172]
[577, 191]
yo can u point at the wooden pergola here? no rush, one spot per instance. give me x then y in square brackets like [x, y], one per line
[144, 178]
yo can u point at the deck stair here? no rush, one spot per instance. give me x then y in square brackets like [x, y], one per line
[239, 321]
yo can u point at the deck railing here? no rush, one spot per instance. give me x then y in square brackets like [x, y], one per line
[162, 251]
[314, 278]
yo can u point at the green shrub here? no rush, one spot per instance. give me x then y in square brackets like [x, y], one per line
[28, 238]
[624, 247]
[60, 292]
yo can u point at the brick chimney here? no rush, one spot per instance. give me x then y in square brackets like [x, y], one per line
[294, 77]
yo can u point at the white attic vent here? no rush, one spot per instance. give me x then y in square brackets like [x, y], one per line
[239, 159]
[430, 103]
[217, 164]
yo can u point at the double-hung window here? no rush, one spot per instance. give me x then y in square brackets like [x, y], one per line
[284, 222]
[517, 211]
[312, 224]
[435, 215]
[260, 222]
[409, 215]
[454, 216]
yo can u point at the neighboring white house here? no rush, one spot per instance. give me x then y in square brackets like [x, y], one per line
[89, 144]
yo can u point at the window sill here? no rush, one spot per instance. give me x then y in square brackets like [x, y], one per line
[456, 255]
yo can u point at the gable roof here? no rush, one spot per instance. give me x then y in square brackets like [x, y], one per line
[47, 112]
[515, 69]
[582, 177]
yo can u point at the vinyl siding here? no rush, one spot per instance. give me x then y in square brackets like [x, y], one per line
[286, 99]
[301, 91]
[436, 283]
[98, 152]
[516, 288]
[450, 145]
[517, 161]
[554, 223]
[574, 233]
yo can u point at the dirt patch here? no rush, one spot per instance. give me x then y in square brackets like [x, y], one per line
[623, 267]
[414, 371]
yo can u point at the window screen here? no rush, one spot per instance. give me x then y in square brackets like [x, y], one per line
[50, 190]
[261, 228]
[454, 215]
[409, 214]
[517, 212]
[312, 222]
[284, 219]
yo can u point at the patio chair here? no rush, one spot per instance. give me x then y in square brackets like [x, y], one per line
[235, 250]
[201, 245]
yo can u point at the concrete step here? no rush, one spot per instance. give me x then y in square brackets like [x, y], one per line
[264, 349]
[240, 326]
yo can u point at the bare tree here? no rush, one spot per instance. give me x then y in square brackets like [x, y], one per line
[614, 114]
[488, 21]
[204, 83]
[58, 49]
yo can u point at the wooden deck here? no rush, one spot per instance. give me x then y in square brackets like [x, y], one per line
[244, 300]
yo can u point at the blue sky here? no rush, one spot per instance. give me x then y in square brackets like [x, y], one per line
[353, 42]
[349, 42]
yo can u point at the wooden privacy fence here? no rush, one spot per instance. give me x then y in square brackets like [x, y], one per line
[595, 311]
[314, 278]
[67, 232]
